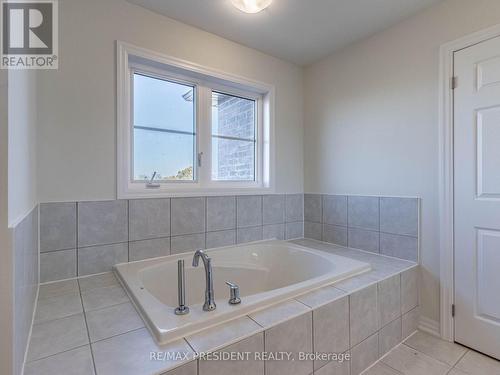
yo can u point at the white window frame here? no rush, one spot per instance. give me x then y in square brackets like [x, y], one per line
[132, 59]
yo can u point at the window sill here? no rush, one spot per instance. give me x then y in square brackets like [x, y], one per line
[172, 192]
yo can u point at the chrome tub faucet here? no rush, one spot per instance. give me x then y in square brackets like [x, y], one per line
[209, 304]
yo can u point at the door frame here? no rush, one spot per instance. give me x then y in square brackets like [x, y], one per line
[446, 176]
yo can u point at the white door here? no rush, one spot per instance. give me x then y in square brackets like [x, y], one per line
[477, 196]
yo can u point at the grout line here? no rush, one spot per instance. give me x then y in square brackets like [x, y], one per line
[349, 321]
[71, 315]
[147, 239]
[236, 216]
[189, 344]
[194, 359]
[264, 347]
[427, 355]
[206, 223]
[398, 234]
[312, 341]
[120, 334]
[256, 322]
[285, 208]
[53, 355]
[347, 211]
[128, 230]
[380, 360]
[88, 331]
[205, 219]
[77, 250]
[205, 206]
[55, 251]
[321, 218]
[378, 342]
[262, 213]
[106, 244]
[379, 217]
[109, 306]
[461, 357]
[35, 304]
[170, 224]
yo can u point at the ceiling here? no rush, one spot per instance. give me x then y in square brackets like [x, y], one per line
[299, 31]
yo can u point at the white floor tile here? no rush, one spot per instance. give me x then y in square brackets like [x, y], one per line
[98, 298]
[56, 336]
[130, 354]
[475, 363]
[58, 307]
[441, 350]
[97, 281]
[73, 362]
[58, 289]
[381, 369]
[411, 362]
[112, 321]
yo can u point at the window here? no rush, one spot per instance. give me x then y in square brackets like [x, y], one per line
[233, 138]
[183, 129]
[164, 130]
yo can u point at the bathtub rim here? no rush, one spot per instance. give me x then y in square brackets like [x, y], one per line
[196, 327]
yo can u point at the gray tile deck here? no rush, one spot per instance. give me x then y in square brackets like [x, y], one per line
[119, 342]
[118, 338]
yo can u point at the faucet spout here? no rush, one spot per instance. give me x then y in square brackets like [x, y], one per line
[209, 304]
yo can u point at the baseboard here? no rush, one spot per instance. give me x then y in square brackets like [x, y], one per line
[430, 326]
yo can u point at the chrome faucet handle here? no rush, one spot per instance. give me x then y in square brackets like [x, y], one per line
[234, 293]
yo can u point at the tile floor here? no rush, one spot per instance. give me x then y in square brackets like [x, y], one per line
[424, 354]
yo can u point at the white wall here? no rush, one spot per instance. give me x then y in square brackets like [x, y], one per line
[78, 103]
[22, 144]
[371, 118]
[6, 265]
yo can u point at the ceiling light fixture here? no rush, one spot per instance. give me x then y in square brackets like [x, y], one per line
[251, 6]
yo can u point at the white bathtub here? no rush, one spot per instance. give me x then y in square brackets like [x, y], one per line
[267, 272]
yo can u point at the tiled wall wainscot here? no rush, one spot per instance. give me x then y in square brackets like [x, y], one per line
[363, 317]
[385, 225]
[83, 238]
[25, 250]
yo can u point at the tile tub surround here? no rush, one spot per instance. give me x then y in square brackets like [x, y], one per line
[385, 225]
[84, 238]
[108, 337]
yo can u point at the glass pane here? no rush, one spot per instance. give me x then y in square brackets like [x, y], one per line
[164, 128]
[169, 154]
[233, 116]
[233, 138]
[163, 104]
[233, 160]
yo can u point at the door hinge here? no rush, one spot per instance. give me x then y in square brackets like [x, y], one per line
[454, 82]
[453, 310]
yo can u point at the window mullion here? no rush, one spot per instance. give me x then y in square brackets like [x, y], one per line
[204, 129]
